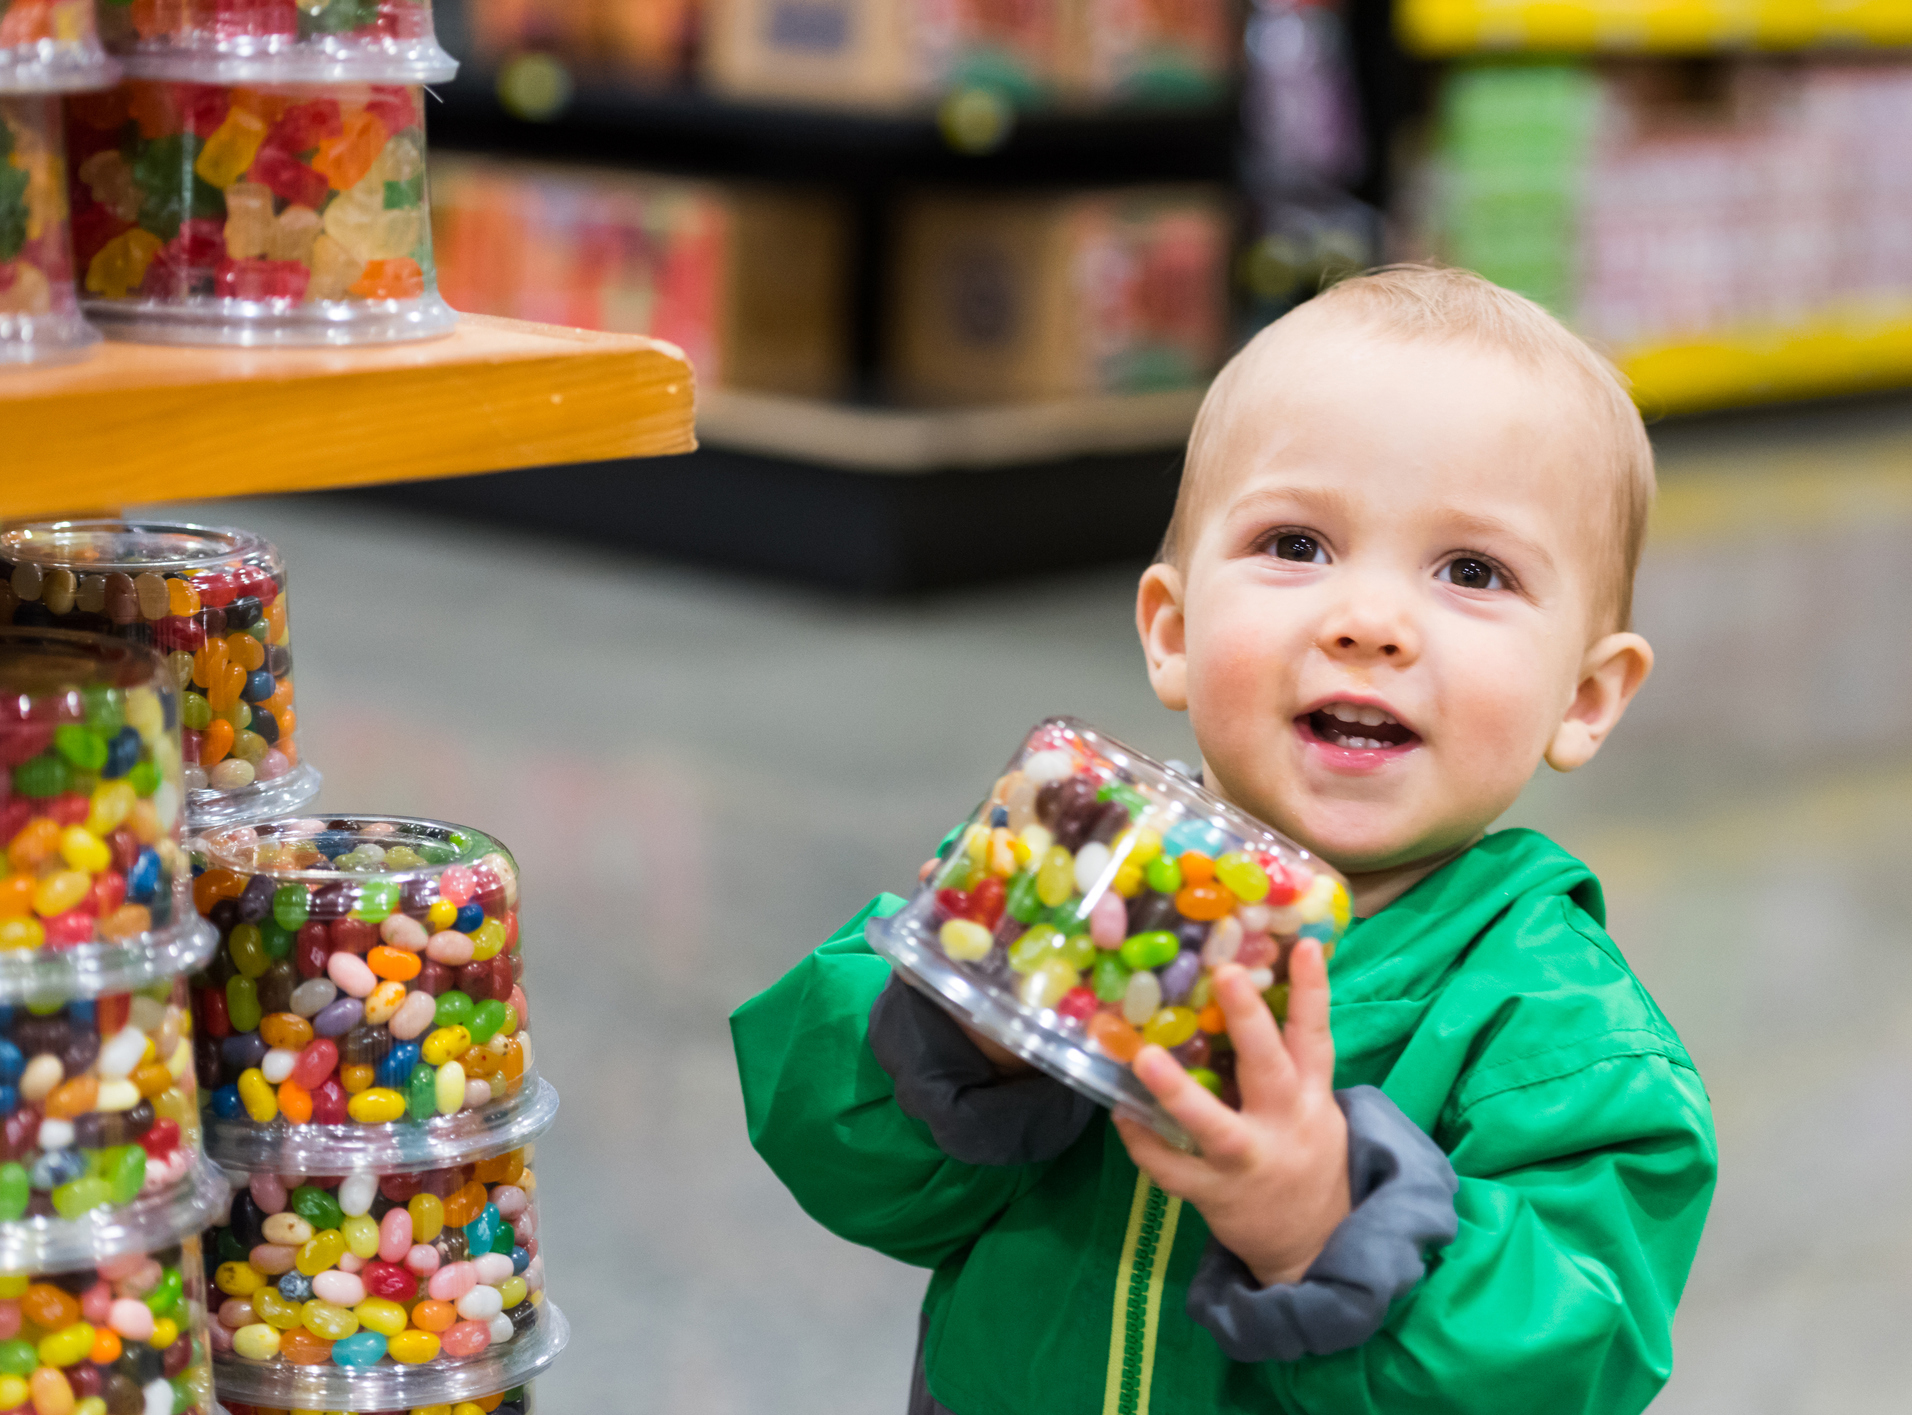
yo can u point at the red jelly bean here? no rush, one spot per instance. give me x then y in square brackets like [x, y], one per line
[474, 980]
[316, 1060]
[125, 847]
[178, 633]
[69, 809]
[107, 894]
[399, 1188]
[215, 589]
[162, 1139]
[353, 936]
[988, 898]
[465, 1339]
[14, 816]
[389, 1280]
[213, 1018]
[65, 930]
[328, 1103]
[434, 978]
[1078, 1003]
[502, 979]
[189, 744]
[511, 931]
[20, 1135]
[310, 951]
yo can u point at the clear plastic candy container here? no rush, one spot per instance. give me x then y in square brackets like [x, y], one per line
[368, 988]
[272, 214]
[303, 41]
[125, 1336]
[51, 46]
[382, 1290]
[516, 1401]
[213, 601]
[39, 316]
[1079, 913]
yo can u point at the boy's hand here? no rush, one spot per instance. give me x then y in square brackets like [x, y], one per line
[1272, 1178]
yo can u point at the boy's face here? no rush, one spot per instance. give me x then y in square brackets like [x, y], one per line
[1389, 598]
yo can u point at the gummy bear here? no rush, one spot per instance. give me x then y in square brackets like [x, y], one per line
[93, 226]
[110, 178]
[29, 293]
[261, 280]
[398, 279]
[393, 108]
[334, 269]
[344, 160]
[119, 267]
[293, 234]
[249, 220]
[289, 178]
[230, 150]
[303, 126]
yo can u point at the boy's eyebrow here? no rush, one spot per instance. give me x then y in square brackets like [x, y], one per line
[1476, 523]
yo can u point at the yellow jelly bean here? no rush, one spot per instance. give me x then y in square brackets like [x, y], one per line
[487, 940]
[361, 1235]
[84, 850]
[13, 1286]
[257, 1095]
[512, 1290]
[428, 1410]
[321, 1251]
[382, 1006]
[428, 1219]
[165, 1333]
[238, 1279]
[21, 934]
[448, 1088]
[1127, 880]
[257, 1342]
[111, 804]
[468, 1407]
[965, 940]
[441, 916]
[1055, 880]
[275, 1309]
[13, 1392]
[375, 1106]
[411, 1348]
[1170, 1027]
[60, 891]
[1317, 901]
[1047, 982]
[445, 1044]
[328, 1320]
[67, 1345]
[384, 1317]
[93, 1404]
[1245, 879]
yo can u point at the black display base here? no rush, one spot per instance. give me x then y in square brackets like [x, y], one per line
[872, 533]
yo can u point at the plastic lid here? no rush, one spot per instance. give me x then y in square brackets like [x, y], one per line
[443, 1381]
[91, 969]
[132, 546]
[51, 1245]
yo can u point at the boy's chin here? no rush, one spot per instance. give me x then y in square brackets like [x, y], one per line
[1364, 838]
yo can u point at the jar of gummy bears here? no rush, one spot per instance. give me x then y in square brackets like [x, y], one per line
[39, 315]
[51, 46]
[383, 1289]
[269, 214]
[1077, 916]
[211, 600]
[367, 998]
[304, 41]
[93, 894]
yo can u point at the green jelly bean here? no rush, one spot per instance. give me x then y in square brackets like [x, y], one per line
[1164, 876]
[421, 1092]
[1125, 793]
[1034, 946]
[454, 1009]
[1110, 979]
[487, 1019]
[1149, 950]
[143, 778]
[276, 941]
[80, 1196]
[105, 709]
[18, 1358]
[15, 1191]
[1077, 950]
[125, 1171]
[195, 712]
[1071, 916]
[82, 746]
[242, 1003]
[163, 1298]
[291, 906]
[1202, 1076]
[231, 1250]
[317, 1207]
[248, 950]
[378, 898]
[1277, 1000]
[1024, 904]
[46, 775]
[184, 1398]
[503, 1240]
[436, 854]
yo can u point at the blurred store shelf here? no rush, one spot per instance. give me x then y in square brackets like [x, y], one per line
[137, 423]
[1814, 360]
[1437, 28]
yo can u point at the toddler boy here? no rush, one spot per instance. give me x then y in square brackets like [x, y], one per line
[1398, 578]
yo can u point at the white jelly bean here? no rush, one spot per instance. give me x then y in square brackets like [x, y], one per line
[55, 1134]
[403, 931]
[451, 948]
[1254, 917]
[477, 1093]
[510, 1200]
[286, 1229]
[117, 1096]
[1223, 942]
[414, 1015]
[1261, 979]
[159, 1393]
[501, 1329]
[493, 1268]
[352, 975]
[313, 996]
[277, 1064]
[122, 1053]
[1053, 765]
[423, 1260]
[131, 1319]
[356, 1194]
[1109, 921]
[147, 1014]
[1090, 861]
[453, 1281]
[229, 775]
[351, 1263]
[480, 1304]
[340, 1287]
[43, 1073]
[1143, 998]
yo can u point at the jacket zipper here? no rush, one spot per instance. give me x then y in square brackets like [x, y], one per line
[1138, 1299]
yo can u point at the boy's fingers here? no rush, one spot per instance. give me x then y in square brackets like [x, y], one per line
[1213, 1126]
[1181, 1174]
[1310, 1040]
[1262, 1067]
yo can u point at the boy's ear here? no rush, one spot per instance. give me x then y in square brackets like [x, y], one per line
[1158, 619]
[1610, 675]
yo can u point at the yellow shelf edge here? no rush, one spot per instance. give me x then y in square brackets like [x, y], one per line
[1819, 359]
[1454, 28]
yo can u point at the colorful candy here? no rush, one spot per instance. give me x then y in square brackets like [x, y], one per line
[50, 46]
[371, 1269]
[127, 1337]
[381, 40]
[1091, 897]
[39, 315]
[268, 214]
[214, 603]
[516, 1401]
[369, 973]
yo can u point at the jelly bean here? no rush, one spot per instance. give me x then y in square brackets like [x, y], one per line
[445, 1044]
[428, 1216]
[1149, 950]
[1163, 875]
[352, 975]
[1048, 982]
[449, 1088]
[414, 1348]
[376, 1106]
[257, 1096]
[1169, 1027]
[341, 1289]
[394, 1240]
[386, 1317]
[361, 1236]
[1142, 998]
[338, 1018]
[313, 996]
[258, 1342]
[287, 1229]
[1055, 881]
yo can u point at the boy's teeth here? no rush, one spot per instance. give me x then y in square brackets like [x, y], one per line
[1359, 712]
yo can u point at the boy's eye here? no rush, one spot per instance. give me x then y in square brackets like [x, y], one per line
[1292, 545]
[1471, 574]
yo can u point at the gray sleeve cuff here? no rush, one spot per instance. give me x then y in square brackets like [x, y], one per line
[974, 1114]
[1402, 1189]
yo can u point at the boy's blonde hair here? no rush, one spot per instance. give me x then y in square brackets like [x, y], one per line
[1441, 304]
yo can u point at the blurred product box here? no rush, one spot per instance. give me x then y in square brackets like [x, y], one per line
[749, 281]
[897, 53]
[1010, 298]
[1652, 209]
[642, 39]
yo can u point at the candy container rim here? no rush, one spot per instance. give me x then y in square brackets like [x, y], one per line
[489, 844]
[74, 72]
[103, 650]
[442, 1380]
[91, 969]
[16, 544]
[228, 62]
[215, 322]
[398, 1147]
[211, 810]
[55, 1245]
[71, 338]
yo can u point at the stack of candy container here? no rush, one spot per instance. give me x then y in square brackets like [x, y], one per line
[47, 47]
[370, 1085]
[1080, 912]
[260, 177]
[213, 602]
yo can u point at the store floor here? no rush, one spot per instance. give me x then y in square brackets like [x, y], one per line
[701, 777]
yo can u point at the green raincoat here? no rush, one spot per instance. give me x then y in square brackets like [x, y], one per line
[1488, 1003]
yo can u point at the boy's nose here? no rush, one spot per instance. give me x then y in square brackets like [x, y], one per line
[1370, 631]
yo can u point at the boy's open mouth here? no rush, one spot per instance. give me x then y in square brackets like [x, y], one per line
[1358, 727]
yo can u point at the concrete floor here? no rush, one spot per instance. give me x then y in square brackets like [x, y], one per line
[702, 776]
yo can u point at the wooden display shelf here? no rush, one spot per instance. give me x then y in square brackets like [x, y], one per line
[1442, 28]
[1825, 358]
[139, 422]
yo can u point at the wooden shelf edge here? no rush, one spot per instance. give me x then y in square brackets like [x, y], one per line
[144, 423]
